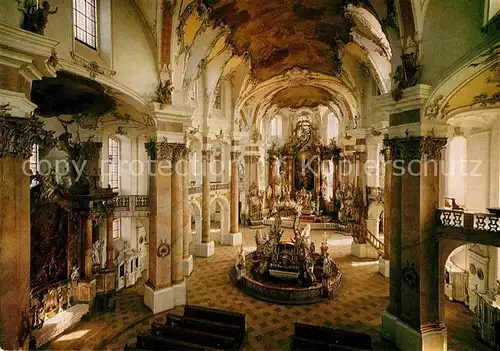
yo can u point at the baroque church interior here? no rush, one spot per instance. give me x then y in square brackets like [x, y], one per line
[255, 175]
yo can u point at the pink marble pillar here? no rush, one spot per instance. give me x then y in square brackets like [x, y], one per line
[205, 224]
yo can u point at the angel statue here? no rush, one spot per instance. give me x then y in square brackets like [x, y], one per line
[75, 274]
[163, 93]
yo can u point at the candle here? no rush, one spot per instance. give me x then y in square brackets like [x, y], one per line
[37, 3]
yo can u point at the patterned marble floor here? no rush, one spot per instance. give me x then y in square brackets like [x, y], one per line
[362, 298]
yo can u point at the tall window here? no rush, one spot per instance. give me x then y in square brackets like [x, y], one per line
[84, 21]
[34, 163]
[333, 127]
[275, 127]
[218, 98]
[116, 229]
[114, 159]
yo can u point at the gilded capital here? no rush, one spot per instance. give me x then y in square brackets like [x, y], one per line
[235, 155]
[206, 154]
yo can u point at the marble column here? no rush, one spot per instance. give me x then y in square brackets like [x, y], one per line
[272, 180]
[87, 261]
[15, 237]
[178, 151]
[207, 247]
[109, 239]
[235, 237]
[187, 258]
[414, 251]
[158, 291]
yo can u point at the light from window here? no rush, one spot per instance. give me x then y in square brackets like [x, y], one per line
[84, 21]
[34, 163]
[333, 127]
[218, 98]
[116, 229]
[275, 127]
[114, 159]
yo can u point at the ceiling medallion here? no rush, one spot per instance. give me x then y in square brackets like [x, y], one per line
[298, 76]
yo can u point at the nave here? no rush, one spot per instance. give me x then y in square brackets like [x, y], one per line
[363, 295]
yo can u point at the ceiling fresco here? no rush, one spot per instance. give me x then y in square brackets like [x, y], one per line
[301, 96]
[282, 34]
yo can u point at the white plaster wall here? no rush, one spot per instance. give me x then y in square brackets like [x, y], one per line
[451, 29]
[478, 171]
[495, 167]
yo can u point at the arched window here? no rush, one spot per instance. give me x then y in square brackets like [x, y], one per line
[114, 163]
[332, 127]
[84, 22]
[275, 127]
[457, 170]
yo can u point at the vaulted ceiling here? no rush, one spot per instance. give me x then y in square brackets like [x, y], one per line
[282, 34]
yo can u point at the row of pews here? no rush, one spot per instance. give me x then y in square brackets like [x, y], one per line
[200, 328]
[203, 328]
[311, 337]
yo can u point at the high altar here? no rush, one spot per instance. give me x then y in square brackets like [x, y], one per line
[304, 166]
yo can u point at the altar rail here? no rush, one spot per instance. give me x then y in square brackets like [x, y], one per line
[288, 223]
[473, 227]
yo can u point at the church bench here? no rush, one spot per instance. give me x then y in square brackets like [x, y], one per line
[204, 325]
[216, 315]
[153, 342]
[195, 336]
[337, 338]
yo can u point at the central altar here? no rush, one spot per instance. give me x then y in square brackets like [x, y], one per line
[287, 271]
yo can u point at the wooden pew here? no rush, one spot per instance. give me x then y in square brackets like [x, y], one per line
[233, 331]
[310, 337]
[194, 336]
[153, 342]
[216, 315]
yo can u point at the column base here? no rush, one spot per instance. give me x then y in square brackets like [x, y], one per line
[364, 251]
[383, 267]
[159, 300]
[205, 249]
[165, 299]
[407, 338]
[187, 266]
[235, 239]
[180, 294]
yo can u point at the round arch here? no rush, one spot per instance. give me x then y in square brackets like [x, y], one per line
[195, 209]
[223, 203]
[375, 212]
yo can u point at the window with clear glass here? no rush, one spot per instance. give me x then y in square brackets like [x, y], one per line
[85, 21]
[116, 229]
[114, 160]
[275, 127]
[333, 127]
[34, 163]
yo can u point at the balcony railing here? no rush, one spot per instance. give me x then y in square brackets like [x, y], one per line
[468, 221]
[213, 187]
[131, 202]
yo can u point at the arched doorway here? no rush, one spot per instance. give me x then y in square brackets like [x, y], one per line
[375, 221]
[195, 223]
[219, 224]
